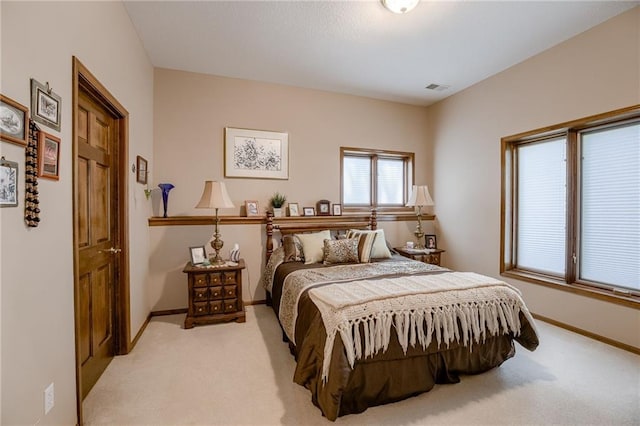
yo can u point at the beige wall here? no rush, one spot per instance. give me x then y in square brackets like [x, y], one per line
[191, 112]
[595, 72]
[39, 40]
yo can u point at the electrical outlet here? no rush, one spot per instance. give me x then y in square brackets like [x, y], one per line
[49, 398]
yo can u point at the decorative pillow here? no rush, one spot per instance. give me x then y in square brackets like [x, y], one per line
[340, 251]
[380, 249]
[312, 245]
[292, 249]
[365, 245]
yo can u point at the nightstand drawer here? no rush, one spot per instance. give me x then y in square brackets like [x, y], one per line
[215, 279]
[230, 278]
[200, 280]
[229, 291]
[215, 306]
[200, 294]
[200, 308]
[215, 293]
[230, 305]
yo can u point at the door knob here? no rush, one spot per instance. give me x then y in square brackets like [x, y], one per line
[111, 250]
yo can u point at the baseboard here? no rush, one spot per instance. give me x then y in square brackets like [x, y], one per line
[139, 333]
[589, 334]
[168, 312]
[256, 302]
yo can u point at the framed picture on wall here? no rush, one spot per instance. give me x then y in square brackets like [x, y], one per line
[48, 156]
[46, 106]
[8, 183]
[258, 154]
[141, 170]
[14, 121]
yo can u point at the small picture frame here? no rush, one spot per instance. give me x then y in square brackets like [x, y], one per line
[141, 170]
[293, 209]
[309, 211]
[14, 121]
[251, 207]
[198, 255]
[336, 209]
[323, 208]
[430, 242]
[46, 106]
[8, 183]
[48, 156]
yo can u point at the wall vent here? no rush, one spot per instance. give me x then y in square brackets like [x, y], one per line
[437, 87]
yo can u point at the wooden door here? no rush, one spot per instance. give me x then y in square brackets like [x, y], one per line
[97, 238]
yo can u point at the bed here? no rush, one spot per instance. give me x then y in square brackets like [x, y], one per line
[380, 327]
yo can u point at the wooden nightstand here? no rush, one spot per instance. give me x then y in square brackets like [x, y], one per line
[215, 294]
[432, 258]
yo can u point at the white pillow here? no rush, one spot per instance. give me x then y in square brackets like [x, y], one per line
[313, 244]
[380, 249]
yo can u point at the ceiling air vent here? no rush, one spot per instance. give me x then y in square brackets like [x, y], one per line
[437, 87]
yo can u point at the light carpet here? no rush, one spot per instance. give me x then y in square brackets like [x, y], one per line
[241, 374]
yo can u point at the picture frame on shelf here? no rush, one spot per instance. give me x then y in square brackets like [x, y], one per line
[257, 154]
[251, 208]
[293, 209]
[46, 106]
[309, 211]
[198, 255]
[48, 156]
[430, 242]
[8, 183]
[323, 208]
[336, 209]
[14, 121]
[141, 170]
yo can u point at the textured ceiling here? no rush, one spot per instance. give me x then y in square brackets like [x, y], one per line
[358, 47]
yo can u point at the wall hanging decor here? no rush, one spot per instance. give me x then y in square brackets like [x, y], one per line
[31, 201]
[141, 166]
[256, 154]
[8, 183]
[48, 156]
[14, 119]
[46, 106]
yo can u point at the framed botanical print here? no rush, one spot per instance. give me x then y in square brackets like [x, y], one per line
[48, 156]
[8, 183]
[14, 121]
[141, 170]
[256, 154]
[198, 255]
[251, 207]
[294, 209]
[337, 209]
[46, 106]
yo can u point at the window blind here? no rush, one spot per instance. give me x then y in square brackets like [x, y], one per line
[390, 181]
[356, 185]
[541, 208]
[610, 206]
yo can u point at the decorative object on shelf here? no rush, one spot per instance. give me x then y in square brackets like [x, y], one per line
[46, 106]
[251, 208]
[48, 156]
[31, 201]
[277, 200]
[419, 198]
[430, 242]
[293, 209]
[215, 196]
[234, 256]
[323, 208]
[256, 154]
[14, 119]
[399, 6]
[141, 174]
[337, 209]
[165, 187]
[8, 183]
[309, 211]
[198, 255]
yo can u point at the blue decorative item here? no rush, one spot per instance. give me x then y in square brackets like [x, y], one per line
[165, 187]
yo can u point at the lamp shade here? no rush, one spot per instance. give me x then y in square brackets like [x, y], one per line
[214, 196]
[400, 6]
[420, 196]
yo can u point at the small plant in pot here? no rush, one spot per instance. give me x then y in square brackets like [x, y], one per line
[277, 200]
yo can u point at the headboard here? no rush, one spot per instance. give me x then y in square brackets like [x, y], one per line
[304, 224]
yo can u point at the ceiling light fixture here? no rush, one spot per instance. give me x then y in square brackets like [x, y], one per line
[400, 6]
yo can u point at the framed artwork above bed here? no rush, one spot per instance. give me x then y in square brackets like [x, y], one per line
[257, 154]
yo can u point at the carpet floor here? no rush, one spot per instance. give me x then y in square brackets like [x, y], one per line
[241, 374]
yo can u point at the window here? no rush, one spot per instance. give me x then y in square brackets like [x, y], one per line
[571, 205]
[375, 178]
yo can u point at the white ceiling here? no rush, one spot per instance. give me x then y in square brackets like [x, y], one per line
[358, 47]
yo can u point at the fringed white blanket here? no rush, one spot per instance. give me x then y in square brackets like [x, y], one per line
[420, 308]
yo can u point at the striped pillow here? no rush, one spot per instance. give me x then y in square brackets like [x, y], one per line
[380, 249]
[365, 244]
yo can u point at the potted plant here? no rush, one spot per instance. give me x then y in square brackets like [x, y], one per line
[277, 200]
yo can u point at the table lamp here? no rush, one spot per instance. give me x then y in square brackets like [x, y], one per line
[419, 198]
[215, 196]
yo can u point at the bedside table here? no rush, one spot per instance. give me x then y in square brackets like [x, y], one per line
[433, 258]
[215, 294]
